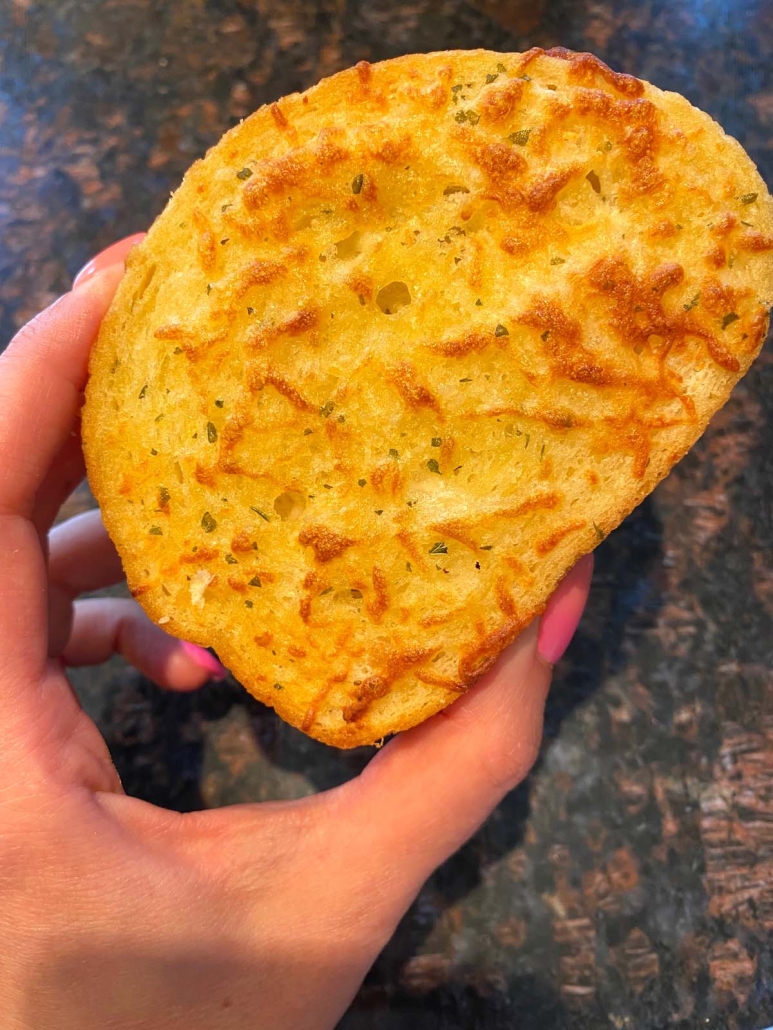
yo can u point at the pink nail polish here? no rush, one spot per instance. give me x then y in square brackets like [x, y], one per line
[564, 611]
[205, 660]
[112, 255]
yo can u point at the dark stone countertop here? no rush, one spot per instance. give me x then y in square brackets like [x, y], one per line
[629, 882]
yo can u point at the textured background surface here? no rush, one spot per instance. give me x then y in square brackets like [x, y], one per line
[629, 882]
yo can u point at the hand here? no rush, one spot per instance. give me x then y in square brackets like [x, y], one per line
[117, 914]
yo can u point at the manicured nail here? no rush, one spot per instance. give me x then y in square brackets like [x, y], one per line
[564, 611]
[207, 661]
[110, 256]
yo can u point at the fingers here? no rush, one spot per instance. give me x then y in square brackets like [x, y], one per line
[42, 374]
[429, 789]
[82, 556]
[102, 627]
[67, 470]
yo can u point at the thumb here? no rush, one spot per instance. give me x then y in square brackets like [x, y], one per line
[430, 789]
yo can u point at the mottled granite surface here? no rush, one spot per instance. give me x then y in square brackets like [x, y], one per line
[629, 882]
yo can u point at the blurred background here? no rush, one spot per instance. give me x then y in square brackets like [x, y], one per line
[629, 882]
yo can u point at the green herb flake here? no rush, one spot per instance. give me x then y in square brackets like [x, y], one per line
[211, 432]
[255, 582]
[209, 288]
[250, 311]
[219, 404]
[457, 87]
[156, 531]
[357, 182]
[379, 511]
[501, 68]
[557, 261]
[439, 548]
[177, 350]
[433, 466]
[278, 686]
[528, 438]
[749, 198]
[327, 486]
[207, 522]
[460, 116]
[501, 331]
[158, 417]
[520, 138]
[163, 497]
[361, 482]
[436, 441]
[230, 560]
[450, 190]
[143, 391]
[599, 532]
[248, 604]
[225, 207]
[729, 318]
[473, 117]
[245, 173]
[408, 567]
[308, 432]
[491, 78]
[542, 452]
[225, 240]
[693, 302]
[544, 336]
[327, 409]
[154, 452]
[486, 547]
[393, 453]
[259, 512]
[478, 303]
[526, 78]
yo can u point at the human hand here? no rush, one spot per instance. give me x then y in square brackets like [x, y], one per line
[114, 913]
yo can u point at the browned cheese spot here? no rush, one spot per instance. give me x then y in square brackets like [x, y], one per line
[325, 542]
[378, 685]
[754, 241]
[415, 394]
[478, 659]
[380, 601]
[241, 542]
[588, 68]
[203, 554]
[470, 342]
[328, 149]
[561, 340]
[279, 117]
[550, 542]
[387, 477]
[302, 321]
[259, 377]
[206, 244]
[504, 598]
[500, 102]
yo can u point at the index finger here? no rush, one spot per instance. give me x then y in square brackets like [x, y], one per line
[42, 374]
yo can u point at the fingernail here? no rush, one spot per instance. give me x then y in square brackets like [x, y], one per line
[564, 611]
[110, 256]
[205, 660]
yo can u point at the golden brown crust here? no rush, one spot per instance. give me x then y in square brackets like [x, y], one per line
[400, 350]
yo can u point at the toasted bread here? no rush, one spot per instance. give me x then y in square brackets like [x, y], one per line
[400, 350]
